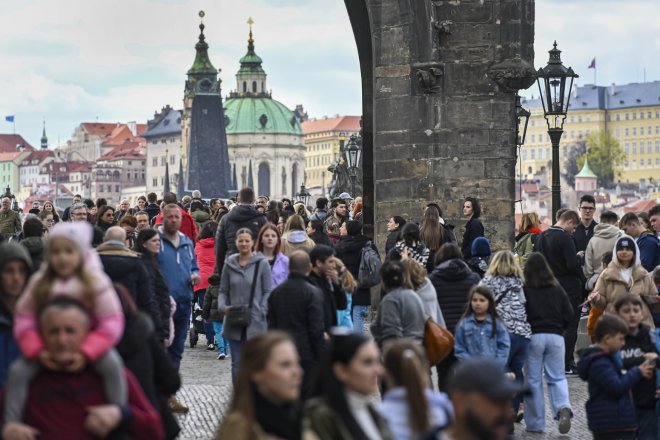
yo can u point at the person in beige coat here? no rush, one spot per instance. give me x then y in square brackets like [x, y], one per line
[605, 235]
[624, 275]
[294, 236]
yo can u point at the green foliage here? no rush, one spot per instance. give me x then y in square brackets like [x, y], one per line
[605, 157]
[576, 151]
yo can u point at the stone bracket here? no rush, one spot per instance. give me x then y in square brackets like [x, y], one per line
[428, 78]
[512, 75]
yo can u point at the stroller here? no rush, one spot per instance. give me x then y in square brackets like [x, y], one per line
[197, 325]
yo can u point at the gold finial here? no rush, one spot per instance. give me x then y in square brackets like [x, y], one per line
[250, 22]
[201, 16]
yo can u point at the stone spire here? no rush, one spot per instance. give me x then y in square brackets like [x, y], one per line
[44, 138]
[202, 76]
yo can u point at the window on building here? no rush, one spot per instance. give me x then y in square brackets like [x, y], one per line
[626, 116]
[109, 188]
[634, 164]
[100, 188]
[532, 152]
[634, 115]
[540, 153]
[634, 131]
[154, 181]
[626, 148]
[617, 117]
[625, 132]
[572, 119]
[648, 130]
[625, 163]
[163, 160]
[641, 115]
[588, 118]
[579, 118]
[154, 162]
[533, 138]
[634, 148]
[172, 160]
[572, 134]
[657, 161]
[657, 146]
[649, 147]
[162, 181]
[641, 131]
[547, 153]
[564, 152]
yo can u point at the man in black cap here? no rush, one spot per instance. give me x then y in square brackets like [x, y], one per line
[482, 401]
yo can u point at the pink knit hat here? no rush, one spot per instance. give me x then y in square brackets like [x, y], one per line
[79, 233]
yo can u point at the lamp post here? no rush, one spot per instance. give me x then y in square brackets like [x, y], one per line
[303, 195]
[555, 96]
[353, 154]
[522, 119]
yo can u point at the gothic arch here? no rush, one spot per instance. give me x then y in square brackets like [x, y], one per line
[263, 179]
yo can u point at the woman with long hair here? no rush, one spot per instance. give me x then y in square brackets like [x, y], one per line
[205, 253]
[269, 243]
[148, 244]
[473, 228]
[294, 236]
[105, 217]
[245, 283]
[47, 218]
[316, 233]
[416, 279]
[49, 207]
[549, 314]
[410, 244]
[394, 226]
[265, 404]
[432, 233]
[526, 239]
[349, 377]
[349, 285]
[505, 277]
[411, 408]
[624, 275]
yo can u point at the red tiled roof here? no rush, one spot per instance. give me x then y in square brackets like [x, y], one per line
[8, 143]
[99, 128]
[341, 123]
[127, 150]
[7, 156]
[39, 156]
[140, 128]
[530, 188]
[640, 206]
[79, 167]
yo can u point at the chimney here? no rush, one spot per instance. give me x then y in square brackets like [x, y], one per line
[613, 89]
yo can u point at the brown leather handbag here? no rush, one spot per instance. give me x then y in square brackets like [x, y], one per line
[438, 342]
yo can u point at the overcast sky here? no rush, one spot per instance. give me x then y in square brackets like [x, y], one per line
[70, 61]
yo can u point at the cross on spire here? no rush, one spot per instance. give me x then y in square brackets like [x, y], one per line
[250, 22]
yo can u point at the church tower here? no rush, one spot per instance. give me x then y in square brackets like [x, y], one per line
[44, 138]
[203, 127]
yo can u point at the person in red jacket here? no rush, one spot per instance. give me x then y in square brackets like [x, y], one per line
[205, 252]
[188, 226]
[66, 400]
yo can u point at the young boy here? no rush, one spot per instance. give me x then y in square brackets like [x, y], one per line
[610, 408]
[640, 346]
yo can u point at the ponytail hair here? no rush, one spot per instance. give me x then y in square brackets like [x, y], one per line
[406, 364]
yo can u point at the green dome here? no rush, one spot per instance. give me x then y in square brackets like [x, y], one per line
[260, 115]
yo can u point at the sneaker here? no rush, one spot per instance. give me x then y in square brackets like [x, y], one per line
[210, 347]
[565, 415]
[177, 407]
[222, 356]
[571, 371]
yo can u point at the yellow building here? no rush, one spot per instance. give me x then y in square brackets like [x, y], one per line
[631, 113]
[322, 140]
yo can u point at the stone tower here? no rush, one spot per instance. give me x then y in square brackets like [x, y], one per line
[439, 80]
[44, 138]
[203, 127]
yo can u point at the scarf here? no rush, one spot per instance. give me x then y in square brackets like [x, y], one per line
[283, 421]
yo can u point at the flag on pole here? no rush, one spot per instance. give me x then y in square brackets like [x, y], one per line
[592, 65]
[9, 118]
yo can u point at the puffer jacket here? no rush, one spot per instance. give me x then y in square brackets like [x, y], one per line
[205, 252]
[610, 406]
[241, 216]
[604, 239]
[510, 303]
[525, 243]
[235, 288]
[453, 280]
[400, 315]
[296, 240]
[210, 311]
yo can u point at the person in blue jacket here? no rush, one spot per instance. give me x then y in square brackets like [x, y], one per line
[610, 407]
[15, 268]
[178, 263]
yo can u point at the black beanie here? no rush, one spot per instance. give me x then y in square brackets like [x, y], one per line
[626, 243]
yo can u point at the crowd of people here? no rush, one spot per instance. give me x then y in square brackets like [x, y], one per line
[325, 338]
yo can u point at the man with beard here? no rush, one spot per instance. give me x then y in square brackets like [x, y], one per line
[482, 401]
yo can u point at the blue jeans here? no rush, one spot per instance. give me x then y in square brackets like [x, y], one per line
[219, 340]
[181, 320]
[546, 353]
[359, 315]
[235, 349]
[516, 361]
[208, 325]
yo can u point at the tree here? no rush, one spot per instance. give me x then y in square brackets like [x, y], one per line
[605, 156]
[572, 168]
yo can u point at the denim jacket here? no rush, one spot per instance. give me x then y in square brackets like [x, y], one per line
[473, 339]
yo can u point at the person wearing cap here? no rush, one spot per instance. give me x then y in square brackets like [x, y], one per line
[481, 395]
[624, 275]
[15, 268]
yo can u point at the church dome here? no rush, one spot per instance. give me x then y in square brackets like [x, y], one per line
[260, 115]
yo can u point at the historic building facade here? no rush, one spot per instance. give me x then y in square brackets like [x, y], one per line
[164, 146]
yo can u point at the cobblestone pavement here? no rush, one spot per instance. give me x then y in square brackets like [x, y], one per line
[207, 389]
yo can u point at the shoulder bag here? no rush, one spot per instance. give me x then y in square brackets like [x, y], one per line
[238, 317]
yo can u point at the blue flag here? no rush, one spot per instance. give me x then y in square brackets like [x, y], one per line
[592, 65]
[9, 118]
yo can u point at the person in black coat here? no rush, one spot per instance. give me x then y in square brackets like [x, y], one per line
[394, 226]
[453, 280]
[161, 291]
[144, 356]
[349, 251]
[124, 266]
[558, 247]
[296, 307]
[473, 228]
[324, 275]
[315, 232]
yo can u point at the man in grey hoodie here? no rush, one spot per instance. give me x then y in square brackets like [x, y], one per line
[605, 235]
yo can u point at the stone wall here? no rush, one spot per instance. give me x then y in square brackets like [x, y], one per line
[443, 80]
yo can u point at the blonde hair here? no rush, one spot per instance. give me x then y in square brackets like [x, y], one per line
[414, 274]
[504, 264]
[529, 220]
[348, 281]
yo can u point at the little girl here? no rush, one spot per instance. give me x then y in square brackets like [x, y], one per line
[73, 269]
[480, 333]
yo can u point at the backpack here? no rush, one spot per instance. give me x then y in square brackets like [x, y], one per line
[369, 271]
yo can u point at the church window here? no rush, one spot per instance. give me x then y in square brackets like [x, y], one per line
[254, 86]
[263, 87]
[244, 87]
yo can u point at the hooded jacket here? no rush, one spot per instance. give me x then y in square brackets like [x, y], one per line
[400, 315]
[510, 303]
[235, 288]
[9, 350]
[603, 240]
[525, 243]
[200, 218]
[296, 240]
[205, 252]
[610, 406]
[241, 216]
[177, 264]
[611, 285]
[453, 280]
[349, 251]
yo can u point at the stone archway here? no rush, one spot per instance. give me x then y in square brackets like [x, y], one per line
[438, 86]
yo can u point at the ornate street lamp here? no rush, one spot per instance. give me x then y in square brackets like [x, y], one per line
[522, 119]
[14, 202]
[555, 96]
[303, 195]
[353, 154]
